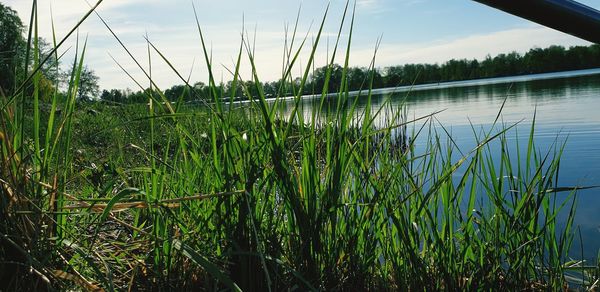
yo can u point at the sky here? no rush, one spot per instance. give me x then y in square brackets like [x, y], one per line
[408, 31]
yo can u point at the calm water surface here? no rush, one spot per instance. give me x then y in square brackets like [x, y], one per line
[566, 110]
[566, 107]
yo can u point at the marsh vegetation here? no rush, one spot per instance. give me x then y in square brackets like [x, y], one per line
[166, 196]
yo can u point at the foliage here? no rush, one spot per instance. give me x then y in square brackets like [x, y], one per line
[11, 44]
[171, 196]
[536, 60]
[87, 88]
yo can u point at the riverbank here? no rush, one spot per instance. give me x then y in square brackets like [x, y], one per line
[164, 196]
[442, 85]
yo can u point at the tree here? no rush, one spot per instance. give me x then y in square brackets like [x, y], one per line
[88, 88]
[12, 43]
[88, 84]
[319, 76]
[12, 57]
[394, 76]
[50, 70]
[357, 78]
[114, 95]
[176, 92]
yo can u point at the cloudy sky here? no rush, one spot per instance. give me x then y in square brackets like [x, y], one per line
[411, 31]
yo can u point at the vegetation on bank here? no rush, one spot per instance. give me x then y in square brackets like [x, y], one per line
[168, 197]
[536, 60]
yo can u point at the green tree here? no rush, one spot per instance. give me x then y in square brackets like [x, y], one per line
[394, 76]
[358, 78]
[50, 69]
[12, 45]
[114, 95]
[176, 92]
[88, 88]
[320, 75]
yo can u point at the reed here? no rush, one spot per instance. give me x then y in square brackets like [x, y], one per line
[240, 197]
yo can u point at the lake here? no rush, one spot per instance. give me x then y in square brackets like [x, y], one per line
[566, 107]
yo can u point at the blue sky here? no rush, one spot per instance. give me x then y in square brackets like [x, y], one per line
[412, 31]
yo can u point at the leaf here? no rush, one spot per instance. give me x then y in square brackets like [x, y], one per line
[116, 199]
[569, 189]
[205, 264]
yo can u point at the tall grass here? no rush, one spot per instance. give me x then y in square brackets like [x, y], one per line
[243, 198]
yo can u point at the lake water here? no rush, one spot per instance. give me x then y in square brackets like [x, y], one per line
[567, 107]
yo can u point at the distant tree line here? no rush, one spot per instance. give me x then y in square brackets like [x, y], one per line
[15, 63]
[536, 60]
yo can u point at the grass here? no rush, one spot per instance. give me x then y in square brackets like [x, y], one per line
[169, 197]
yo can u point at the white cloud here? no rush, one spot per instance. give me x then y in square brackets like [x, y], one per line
[366, 3]
[225, 44]
[475, 46]
[179, 40]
